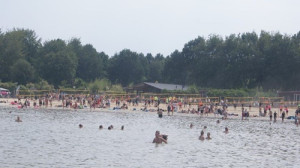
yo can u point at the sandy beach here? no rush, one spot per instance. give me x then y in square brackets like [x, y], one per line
[253, 111]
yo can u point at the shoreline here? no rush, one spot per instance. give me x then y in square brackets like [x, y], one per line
[231, 110]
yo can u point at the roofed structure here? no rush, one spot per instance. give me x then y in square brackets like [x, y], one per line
[158, 87]
[290, 95]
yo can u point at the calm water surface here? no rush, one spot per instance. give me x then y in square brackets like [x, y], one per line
[51, 138]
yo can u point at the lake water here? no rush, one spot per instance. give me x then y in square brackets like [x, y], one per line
[52, 138]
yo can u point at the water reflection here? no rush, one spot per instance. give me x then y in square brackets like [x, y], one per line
[48, 138]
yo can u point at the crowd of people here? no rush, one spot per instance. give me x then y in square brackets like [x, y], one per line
[202, 107]
[171, 105]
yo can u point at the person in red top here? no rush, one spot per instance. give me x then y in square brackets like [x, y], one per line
[200, 103]
[180, 105]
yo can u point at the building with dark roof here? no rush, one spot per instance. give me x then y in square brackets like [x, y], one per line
[290, 95]
[148, 87]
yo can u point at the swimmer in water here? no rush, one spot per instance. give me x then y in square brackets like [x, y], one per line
[122, 128]
[100, 127]
[208, 136]
[226, 130]
[191, 125]
[80, 125]
[18, 119]
[201, 137]
[159, 138]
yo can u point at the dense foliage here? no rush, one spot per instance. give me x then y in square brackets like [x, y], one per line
[248, 60]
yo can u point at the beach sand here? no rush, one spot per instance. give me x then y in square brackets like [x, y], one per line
[254, 111]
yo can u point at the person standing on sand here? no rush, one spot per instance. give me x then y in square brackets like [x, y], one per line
[287, 111]
[265, 111]
[243, 113]
[282, 116]
[280, 109]
[169, 109]
[275, 116]
[297, 115]
[270, 115]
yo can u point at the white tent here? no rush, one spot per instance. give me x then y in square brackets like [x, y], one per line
[4, 92]
[2, 89]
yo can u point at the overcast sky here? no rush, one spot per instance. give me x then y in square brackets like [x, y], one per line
[147, 26]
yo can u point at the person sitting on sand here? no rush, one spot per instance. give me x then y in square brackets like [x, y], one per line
[100, 127]
[124, 106]
[144, 109]
[18, 119]
[201, 137]
[226, 130]
[208, 136]
[218, 121]
[122, 128]
[159, 138]
[80, 125]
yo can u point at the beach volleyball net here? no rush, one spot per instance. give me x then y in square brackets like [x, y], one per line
[274, 101]
[33, 93]
[239, 100]
[184, 98]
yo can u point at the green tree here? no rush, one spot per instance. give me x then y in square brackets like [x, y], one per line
[175, 70]
[22, 72]
[14, 45]
[90, 64]
[126, 67]
[156, 67]
[58, 62]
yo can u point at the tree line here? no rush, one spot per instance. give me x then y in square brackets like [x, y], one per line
[248, 60]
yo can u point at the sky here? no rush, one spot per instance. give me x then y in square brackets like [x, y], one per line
[147, 26]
